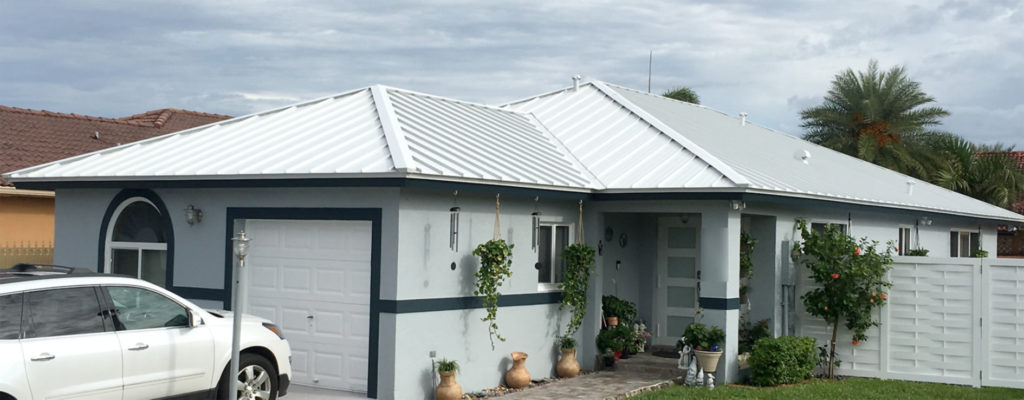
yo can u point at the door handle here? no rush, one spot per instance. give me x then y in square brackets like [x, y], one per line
[139, 346]
[309, 317]
[43, 357]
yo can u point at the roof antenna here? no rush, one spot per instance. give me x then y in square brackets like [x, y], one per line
[650, 64]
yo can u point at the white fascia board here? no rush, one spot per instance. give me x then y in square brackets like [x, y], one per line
[718, 164]
[399, 148]
[884, 204]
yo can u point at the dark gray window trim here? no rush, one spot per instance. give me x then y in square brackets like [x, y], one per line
[165, 219]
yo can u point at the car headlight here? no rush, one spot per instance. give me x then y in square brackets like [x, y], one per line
[274, 328]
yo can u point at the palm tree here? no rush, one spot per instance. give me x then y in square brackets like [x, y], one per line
[877, 116]
[984, 172]
[683, 93]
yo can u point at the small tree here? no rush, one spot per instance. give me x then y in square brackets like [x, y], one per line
[682, 93]
[852, 279]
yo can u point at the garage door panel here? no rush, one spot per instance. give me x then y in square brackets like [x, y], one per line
[319, 269]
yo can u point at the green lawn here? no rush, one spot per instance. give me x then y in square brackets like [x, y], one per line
[851, 388]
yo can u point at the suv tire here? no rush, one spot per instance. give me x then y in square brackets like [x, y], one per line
[258, 375]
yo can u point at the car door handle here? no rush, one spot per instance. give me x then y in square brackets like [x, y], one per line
[44, 357]
[139, 346]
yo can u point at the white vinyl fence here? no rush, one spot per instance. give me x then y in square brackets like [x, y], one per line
[948, 320]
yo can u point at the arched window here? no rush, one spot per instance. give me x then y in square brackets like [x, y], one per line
[136, 243]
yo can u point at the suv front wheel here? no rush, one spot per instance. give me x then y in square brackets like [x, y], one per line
[257, 379]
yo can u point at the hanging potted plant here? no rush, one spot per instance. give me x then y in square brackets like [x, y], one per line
[567, 366]
[706, 344]
[448, 389]
[579, 262]
[495, 266]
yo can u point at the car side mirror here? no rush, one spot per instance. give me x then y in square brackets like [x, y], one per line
[194, 320]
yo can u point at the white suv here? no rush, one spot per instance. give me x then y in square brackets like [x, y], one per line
[73, 334]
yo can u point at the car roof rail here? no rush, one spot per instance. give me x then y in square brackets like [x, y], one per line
[59, 269]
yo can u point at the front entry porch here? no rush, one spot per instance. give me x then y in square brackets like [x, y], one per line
[679, 263]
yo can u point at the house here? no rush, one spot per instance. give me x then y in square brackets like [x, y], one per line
[364, 209]
[31, 137]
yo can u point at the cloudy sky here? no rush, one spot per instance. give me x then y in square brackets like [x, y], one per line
[768, 58]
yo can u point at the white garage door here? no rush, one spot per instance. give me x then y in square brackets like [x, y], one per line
[313, 279]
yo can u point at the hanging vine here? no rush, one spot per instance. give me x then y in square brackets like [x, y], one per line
[495, 266]
[579, 261]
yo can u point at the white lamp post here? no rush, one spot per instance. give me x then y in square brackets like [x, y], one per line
[241, 250]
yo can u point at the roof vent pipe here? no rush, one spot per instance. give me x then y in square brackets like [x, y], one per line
[743, 119]
[576, 82]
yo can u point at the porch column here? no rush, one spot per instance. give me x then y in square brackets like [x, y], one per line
[720, 280]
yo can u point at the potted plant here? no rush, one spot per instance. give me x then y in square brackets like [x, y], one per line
[448, 389]
[618, 311]
[495, 265]
[579, 261]
[706, 343]
[615, 339]
[567, 366]
[608, 357]
[918, 252]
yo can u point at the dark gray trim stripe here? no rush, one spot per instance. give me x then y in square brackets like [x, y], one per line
[353, 214]
[715, 303]
[466, 303]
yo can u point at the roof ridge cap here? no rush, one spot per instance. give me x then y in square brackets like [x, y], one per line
[132, 120]
[715, 162]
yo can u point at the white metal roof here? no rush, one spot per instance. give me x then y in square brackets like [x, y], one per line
[750, 157]
[376, 131]
[599, 137]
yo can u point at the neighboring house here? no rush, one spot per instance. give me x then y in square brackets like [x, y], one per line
[31, 137]
[356, 255]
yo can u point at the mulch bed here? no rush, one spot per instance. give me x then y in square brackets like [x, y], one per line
[502, 390]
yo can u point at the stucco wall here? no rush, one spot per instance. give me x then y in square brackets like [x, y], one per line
[26, 220]
[424, 260]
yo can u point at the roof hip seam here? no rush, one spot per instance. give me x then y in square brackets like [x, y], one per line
[715, 162]
[558, 142]
[397, 145]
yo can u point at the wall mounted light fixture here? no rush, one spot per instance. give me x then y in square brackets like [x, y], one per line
[738, 205]
[193, 215]
[925, 221]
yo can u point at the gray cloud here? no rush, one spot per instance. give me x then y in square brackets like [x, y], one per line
[770, 59]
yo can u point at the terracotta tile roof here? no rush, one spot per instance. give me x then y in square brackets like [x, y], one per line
[32, 137]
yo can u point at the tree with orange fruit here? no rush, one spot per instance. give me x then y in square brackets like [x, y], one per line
[852, 278]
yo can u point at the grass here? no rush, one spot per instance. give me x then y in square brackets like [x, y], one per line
[850, 388]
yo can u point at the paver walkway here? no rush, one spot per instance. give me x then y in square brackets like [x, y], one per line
[598, 385]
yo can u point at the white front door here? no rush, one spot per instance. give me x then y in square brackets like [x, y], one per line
[312, 278]
[678, 276]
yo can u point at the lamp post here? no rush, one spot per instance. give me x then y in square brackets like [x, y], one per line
[241, 247]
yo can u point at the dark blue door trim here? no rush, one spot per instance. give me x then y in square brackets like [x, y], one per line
[344, 214]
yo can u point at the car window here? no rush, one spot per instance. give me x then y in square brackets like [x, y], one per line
[10, 316]
[138, 308]
[59, 312]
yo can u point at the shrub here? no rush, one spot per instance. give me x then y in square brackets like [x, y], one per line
[616, 307]
[614, 338]
[787, 359]
[751, 332]
[446, 365]
[703, 338]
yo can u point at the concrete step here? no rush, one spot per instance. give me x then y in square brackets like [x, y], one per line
[648, 364]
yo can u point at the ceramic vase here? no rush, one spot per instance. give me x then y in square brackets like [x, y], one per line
[708, 360]
[448, 389]
[518, 377]
[567, 366]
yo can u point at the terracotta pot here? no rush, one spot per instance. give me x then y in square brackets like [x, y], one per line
[448, 389]
[618, 355]
[708, 360]
[612, 321]
[518, 377]
[567, 366]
